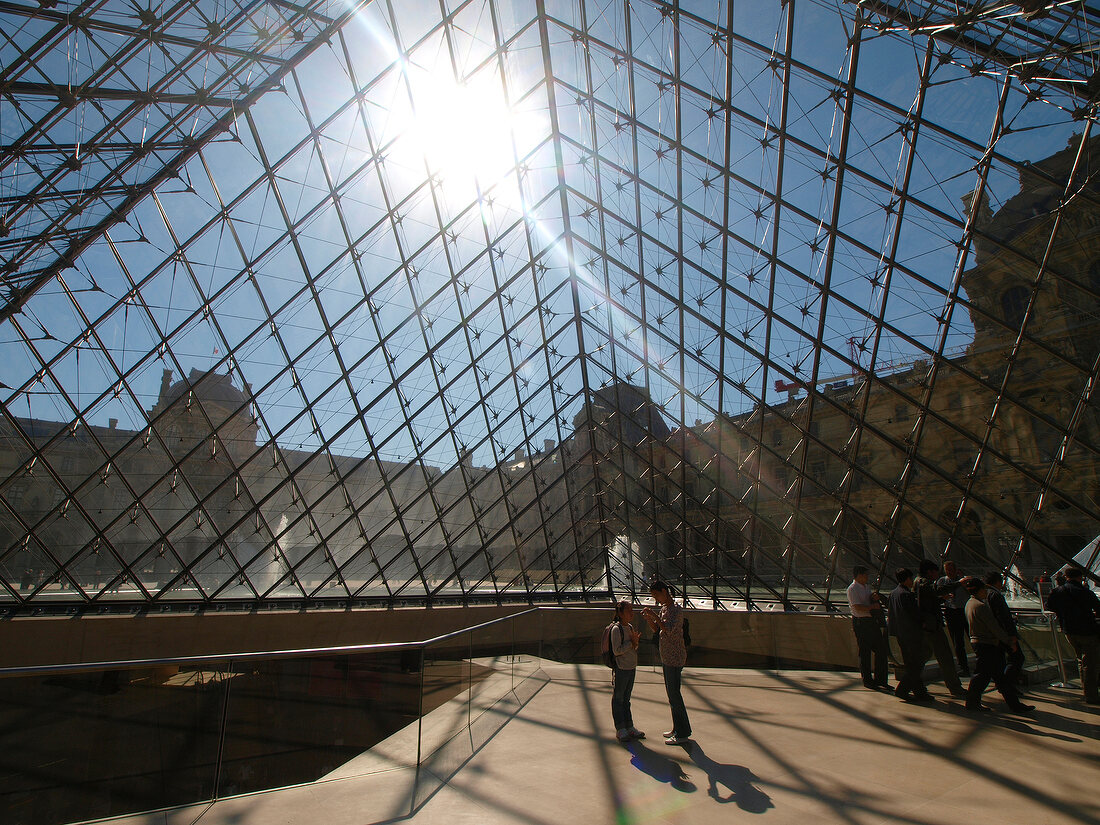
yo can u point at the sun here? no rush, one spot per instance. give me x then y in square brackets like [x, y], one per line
[465, 131]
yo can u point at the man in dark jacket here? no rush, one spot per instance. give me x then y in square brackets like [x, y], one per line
[1078, 612]
[905, 626]
[930, 599]
[1014, 657]
[954, 611]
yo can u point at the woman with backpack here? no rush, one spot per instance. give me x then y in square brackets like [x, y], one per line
[623, 644]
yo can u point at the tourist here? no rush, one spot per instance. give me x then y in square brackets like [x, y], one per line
[1078, 612]
[868, 630]
[1014, 658]
[954, 612]
[668, 622]
[930, 601]
[990, 641]
[624, 641]
[905, 626]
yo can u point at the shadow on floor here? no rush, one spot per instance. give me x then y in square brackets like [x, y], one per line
[660, 767]
[735, 778]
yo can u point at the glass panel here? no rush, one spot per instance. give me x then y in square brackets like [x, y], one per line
[98, 744]
[466, 302]
[444, 729]
[297, 720]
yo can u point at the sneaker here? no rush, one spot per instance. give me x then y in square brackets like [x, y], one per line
[677, 740]
[623, 735]
[669, 733]
[979, 708]
[636, 734]
[1022, 708]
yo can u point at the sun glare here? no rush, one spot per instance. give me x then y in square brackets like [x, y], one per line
[466, 132]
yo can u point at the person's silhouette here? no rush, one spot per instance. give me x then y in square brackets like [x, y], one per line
[660, 767]
[737, 780]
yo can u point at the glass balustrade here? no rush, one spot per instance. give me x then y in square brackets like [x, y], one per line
[86, 742]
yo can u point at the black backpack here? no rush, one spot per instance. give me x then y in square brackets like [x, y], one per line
[607, 653]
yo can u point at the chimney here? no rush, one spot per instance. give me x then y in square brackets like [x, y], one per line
[548, 445]
[112, 423]
[165, 383]
[982, 213]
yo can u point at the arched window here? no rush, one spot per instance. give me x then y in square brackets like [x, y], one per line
[1013, 305]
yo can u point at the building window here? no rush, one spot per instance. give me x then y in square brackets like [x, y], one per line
[1048, 440]
[16, 492]
[1014, 305]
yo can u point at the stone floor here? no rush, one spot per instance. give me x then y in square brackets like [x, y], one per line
[777, 747]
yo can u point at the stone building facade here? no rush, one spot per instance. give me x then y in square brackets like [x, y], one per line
[988, 457]
[196, 507]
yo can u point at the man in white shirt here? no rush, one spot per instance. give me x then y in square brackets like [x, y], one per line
[870, 640]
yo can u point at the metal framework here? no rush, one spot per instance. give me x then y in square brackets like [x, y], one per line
[378, 302]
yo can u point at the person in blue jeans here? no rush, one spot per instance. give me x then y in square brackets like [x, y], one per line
[624, 645]
[668, 621]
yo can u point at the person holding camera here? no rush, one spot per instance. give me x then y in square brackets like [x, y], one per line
[668, 622]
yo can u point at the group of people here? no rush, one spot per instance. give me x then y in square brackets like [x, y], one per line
[923, 611]
[667, 620]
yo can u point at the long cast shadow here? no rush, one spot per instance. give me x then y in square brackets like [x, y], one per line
[737, 779]
[660, 767]
[954, 756]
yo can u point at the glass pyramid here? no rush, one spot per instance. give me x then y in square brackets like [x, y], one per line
[378, 302]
